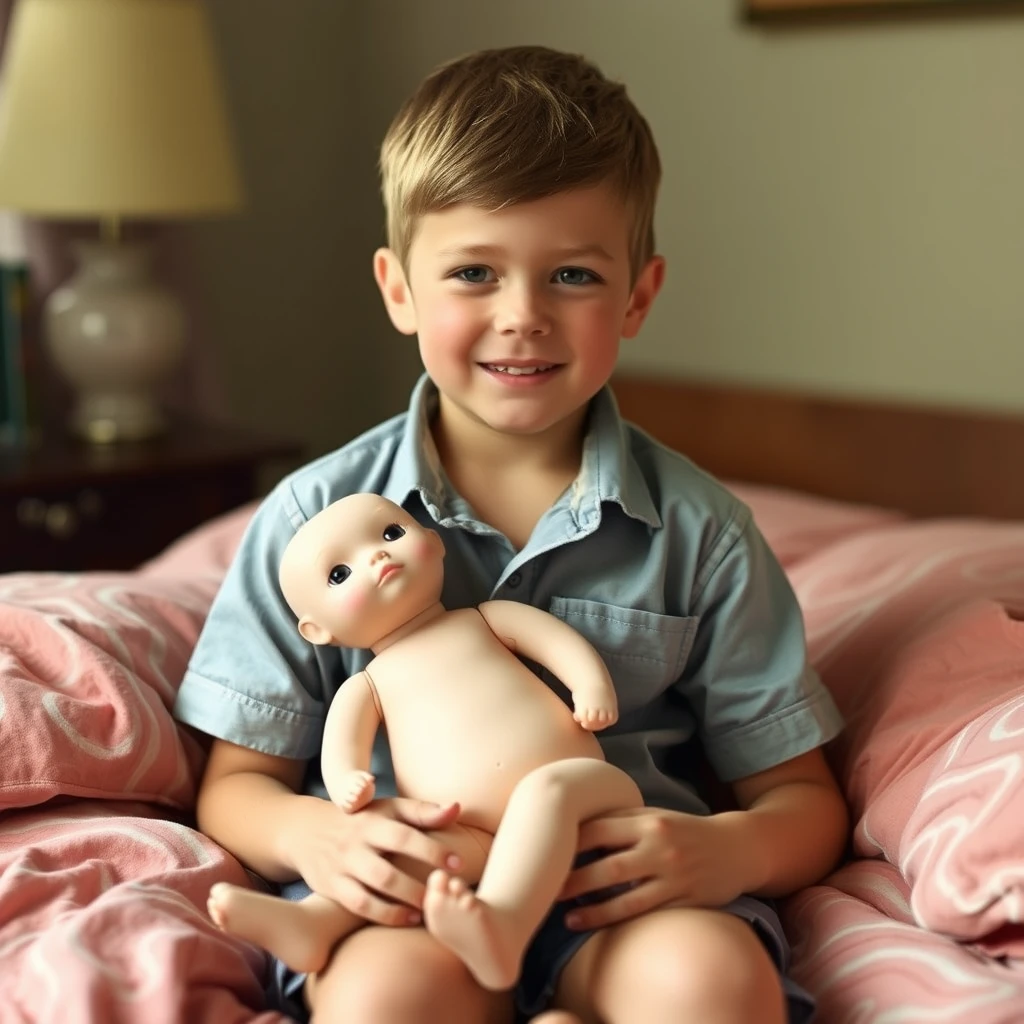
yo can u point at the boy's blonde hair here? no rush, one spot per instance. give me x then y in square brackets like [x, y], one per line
[499, 127]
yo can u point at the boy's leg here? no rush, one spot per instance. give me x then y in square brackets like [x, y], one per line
[529, 860]
[400, 976]
[682, 963]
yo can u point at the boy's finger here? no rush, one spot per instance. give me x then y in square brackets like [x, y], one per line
[371, 907]
[631, 903]
[610, 875]
[607, 833]
[406, 841]
[423, 814]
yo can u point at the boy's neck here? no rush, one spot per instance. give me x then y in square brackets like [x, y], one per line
[509, 480]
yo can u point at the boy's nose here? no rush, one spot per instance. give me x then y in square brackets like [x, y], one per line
[522, 312]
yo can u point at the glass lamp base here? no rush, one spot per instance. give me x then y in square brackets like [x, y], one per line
[108, 419]
[115, 335]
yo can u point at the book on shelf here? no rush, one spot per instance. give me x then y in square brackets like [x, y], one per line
[19, 370]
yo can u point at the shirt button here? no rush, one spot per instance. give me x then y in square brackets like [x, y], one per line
[514, 580]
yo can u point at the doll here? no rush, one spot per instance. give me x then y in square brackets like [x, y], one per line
[467, 722]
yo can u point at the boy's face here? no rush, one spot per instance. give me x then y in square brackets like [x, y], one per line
[520, 311]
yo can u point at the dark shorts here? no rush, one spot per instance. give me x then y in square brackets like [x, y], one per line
[554, 946]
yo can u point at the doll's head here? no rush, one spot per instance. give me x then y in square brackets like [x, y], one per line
[359, 570]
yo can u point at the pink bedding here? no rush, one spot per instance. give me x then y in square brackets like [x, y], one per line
[916, 627]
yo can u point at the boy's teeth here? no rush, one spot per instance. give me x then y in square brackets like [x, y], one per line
[519, 371]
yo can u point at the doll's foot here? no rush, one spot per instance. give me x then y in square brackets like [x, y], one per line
[284, 928]
[472, 931]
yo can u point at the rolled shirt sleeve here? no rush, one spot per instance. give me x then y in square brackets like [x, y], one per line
[252, 678]
[748, 681]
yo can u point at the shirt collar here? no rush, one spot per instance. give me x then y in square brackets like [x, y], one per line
[608, 470]
[417, 466]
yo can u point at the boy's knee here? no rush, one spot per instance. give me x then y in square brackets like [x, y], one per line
[726, 974]
[681, 964]
[403, 978]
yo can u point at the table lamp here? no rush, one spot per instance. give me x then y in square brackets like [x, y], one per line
[113, 110]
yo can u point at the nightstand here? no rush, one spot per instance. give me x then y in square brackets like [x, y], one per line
[68, 506]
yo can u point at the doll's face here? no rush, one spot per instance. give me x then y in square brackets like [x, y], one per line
[360, 569]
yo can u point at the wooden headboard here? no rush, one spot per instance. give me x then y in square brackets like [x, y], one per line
[926, 461]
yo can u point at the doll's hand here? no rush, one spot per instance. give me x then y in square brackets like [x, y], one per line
[594, 713]
[657, 857]
[356, 791]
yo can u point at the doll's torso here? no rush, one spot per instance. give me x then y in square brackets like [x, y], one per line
[466, 720]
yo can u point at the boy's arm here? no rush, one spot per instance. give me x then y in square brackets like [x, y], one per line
[352, 722]
[792, 826]
[546, 639]
[238, 780]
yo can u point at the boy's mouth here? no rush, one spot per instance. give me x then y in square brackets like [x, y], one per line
[520, 371]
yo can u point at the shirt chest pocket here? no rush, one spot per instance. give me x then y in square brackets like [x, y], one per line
[645, 651]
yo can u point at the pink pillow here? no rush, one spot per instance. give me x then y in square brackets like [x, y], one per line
[796, 525]
[89, 667]
[963, 846]
[915, 630]
[207, 549]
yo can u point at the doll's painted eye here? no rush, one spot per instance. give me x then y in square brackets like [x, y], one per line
[338, 574]
[393, 532]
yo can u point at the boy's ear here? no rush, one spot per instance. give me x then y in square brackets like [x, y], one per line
[394, 289]
[314, 633]
[645, 291]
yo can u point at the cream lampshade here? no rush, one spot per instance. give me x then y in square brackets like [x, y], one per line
[109, 110]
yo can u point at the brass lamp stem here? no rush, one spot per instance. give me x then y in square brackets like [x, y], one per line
[110, 228]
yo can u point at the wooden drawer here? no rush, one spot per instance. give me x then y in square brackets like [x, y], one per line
[112, 525]
[73, 509]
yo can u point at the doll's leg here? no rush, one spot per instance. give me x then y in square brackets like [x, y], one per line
[300, 933]
[671, 965]
[529, 860]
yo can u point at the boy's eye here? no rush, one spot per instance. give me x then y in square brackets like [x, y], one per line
[474, 275]
[393, 531]
[575, 275]
[338, 574]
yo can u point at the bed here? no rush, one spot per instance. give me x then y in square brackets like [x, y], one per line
[902, 530]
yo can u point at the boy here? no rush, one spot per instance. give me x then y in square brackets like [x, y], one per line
[519, 186]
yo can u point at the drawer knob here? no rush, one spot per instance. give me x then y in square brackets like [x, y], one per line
[32, 512]
[60, 519]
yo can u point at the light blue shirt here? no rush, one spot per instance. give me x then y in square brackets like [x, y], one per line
[651, 559]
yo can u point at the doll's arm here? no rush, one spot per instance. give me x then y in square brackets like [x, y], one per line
[549, 641]
[352, 723]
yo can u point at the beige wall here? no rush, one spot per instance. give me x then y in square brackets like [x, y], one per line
[843, 205]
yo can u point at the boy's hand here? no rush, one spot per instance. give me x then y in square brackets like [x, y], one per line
[662, 857]
[348, 857]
